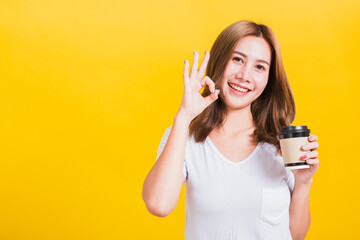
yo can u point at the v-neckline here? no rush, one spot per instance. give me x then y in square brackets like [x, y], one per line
[212, 145]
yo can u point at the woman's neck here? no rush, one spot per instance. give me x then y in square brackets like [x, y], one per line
[238, 121]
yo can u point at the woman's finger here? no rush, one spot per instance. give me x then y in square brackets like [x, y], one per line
[313, 138]
[202, 67]
[212, 97]
[310, 146]
[207, 81]
[313, 161]
[193, 73]
[186, 71]
[312, 154]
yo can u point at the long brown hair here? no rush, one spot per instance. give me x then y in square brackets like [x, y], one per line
[274, 108]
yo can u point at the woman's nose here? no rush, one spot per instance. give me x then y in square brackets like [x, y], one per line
[243, 73]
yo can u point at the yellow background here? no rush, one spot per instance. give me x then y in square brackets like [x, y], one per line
[88, 88]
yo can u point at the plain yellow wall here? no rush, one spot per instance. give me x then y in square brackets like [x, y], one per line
[87, 88]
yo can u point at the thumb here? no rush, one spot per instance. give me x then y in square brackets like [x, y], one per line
[212, 97]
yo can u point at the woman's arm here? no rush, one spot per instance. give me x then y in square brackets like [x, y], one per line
[299, 210]
[163, 184]
[299, 207]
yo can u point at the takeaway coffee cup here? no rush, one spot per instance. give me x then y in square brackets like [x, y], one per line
[292, 138]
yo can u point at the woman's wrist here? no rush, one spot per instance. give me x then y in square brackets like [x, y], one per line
[307, 183]
[180, 116]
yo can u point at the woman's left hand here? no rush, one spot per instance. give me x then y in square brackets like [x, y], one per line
[305, 175]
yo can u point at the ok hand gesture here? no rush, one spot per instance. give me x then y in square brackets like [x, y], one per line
[193, 103]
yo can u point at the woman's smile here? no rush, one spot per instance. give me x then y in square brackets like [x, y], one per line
[236, 89]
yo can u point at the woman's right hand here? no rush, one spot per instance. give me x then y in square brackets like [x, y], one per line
[193, 103]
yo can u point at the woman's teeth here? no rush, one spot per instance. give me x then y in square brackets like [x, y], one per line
[238, 88]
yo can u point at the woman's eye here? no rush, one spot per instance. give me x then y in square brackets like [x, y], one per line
[260, 67]
[238, 59]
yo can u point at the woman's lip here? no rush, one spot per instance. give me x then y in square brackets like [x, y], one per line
[239, 85]
[238, 92]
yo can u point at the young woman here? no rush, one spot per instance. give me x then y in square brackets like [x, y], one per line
[224, 145]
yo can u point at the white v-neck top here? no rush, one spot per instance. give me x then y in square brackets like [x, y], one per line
[227, 200]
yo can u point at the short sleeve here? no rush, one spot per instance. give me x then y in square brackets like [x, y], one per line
[162, 145]
[290, 179]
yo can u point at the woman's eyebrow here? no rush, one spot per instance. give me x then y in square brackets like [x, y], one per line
[258, 60]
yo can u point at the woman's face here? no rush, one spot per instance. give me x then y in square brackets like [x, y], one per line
[246, 74]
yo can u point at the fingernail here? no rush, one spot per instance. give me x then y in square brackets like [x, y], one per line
[303, 157]
[213, 90]
[311, 138]
[304, 147]
[185, 61]
[308, 160]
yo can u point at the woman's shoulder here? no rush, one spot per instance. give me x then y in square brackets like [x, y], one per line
[168, 130]
[269, 148]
